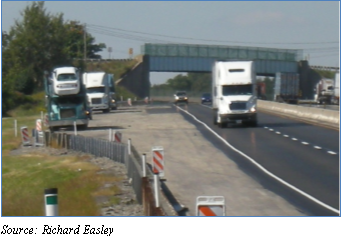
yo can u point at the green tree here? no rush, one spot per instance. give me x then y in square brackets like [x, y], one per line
[37, 43]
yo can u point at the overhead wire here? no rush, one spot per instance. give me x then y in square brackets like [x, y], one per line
[206, 40]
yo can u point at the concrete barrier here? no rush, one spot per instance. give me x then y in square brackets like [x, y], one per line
[312, 113]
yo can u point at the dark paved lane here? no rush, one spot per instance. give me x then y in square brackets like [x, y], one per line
[294, 151]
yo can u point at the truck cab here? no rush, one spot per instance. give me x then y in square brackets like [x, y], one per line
[100, 91]
[234, 93]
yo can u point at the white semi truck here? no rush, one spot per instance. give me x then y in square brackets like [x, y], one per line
[100, 91]
[324, 91]
[234, 93]
[336, 97]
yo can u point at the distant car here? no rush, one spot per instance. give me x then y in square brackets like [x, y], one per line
[180, 97]
[206, 98]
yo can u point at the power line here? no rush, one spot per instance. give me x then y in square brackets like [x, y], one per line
[206, 40]
[130, 37]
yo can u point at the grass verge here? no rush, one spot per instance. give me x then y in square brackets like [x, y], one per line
[25, 176]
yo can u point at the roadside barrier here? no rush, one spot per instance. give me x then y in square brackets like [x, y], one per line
[117, 137]
[118, 152]
[158, 161]
[129, 102]
[25, 136]
[38, 134]
[210, 206]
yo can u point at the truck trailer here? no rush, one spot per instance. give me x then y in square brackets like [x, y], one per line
[234, 93]
[65, 99]
[286, 87]
[100, 91]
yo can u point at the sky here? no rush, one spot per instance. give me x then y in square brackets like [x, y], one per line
[311, 26]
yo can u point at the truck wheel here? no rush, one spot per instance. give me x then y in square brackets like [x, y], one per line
[53, 129]
[222, 125]
[253, 123]
[215, 118]
[82, 127]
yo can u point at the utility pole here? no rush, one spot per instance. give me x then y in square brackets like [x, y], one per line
[85, 41]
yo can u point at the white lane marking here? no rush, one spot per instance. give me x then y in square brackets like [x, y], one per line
[305, 143]
[332, 153]
[262, 168]
[285, 135]
[294, 139]
[266, 127]
[278, 132]
[317, 147]
[271, 130]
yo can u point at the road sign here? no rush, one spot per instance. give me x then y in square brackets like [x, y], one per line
[210, 206]
[158, 161]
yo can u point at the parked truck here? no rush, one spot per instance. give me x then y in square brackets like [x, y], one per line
[66, 99]
[234, 93]
[261, 90]
[324, 91]
[286, 87]
[100, 91]
[336, 97]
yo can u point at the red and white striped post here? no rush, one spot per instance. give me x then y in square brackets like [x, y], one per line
[25, 136]
[158, 161]
[39, 125]
[210, 206]
[117, 137]
[129, 102]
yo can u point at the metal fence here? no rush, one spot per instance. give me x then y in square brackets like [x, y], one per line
[117, 152]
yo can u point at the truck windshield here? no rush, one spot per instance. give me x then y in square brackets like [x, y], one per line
[230, 90]
[96, 90]
[66, 77]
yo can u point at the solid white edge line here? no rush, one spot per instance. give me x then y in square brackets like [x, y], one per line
[262, 168]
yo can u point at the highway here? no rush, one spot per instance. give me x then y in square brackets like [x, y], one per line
[295, 160]
[303, 155]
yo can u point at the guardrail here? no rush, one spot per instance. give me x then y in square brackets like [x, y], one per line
[117, 152]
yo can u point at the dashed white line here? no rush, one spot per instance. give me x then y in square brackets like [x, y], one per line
[285, 135]
[265, 127]
[294, 139]
[271, 130]
[278, 132]
[317, 147]
[305, 143]
[263, 168]
[332, 153]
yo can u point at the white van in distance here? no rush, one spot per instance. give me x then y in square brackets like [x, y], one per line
[234, 93]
